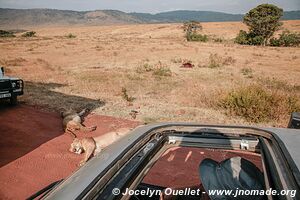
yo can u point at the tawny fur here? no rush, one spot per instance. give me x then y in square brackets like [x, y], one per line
[93, 145]
[72, 121]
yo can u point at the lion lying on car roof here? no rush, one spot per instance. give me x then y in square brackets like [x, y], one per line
[72, 121]
[93, 145]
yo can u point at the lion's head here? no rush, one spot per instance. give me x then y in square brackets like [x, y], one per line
[76, 147]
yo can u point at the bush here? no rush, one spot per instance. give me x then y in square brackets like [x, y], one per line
[247, 72]
[245, 38]
[242, 38]
[286, 39]
[228, 60]
[197, 37]
[191, 29]
[216, 61]
[145, 67]
[252, 103]
[70, 35]
[162, 70]
[255, 40]
[293, 104]
[177, 60]
[29, 34]
[6, 34]
[257, 104]
[275, 42]
[218, 40]
[158, 70]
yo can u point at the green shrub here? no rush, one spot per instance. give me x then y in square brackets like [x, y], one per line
[70, 35]
[29, 34]
[158, 70]
[177, 60]
[245, 38]
[252, 103]
[145, 67]
[255, 40]
[191, 29]
[276, 84]
[242, 38]
[293, 104]
[218, 40]
[228, 60]
[162, 70]
[247, 72]
[197, 37]
[275, 42]
[216, 61]
[286, 39]
[257, 104]
[6, 34]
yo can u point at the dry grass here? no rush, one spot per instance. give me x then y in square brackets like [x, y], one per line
[247, 72]
[257, 104]
[93, 67]
[18, 61]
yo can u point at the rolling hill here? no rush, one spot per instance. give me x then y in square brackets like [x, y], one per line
[43, 17]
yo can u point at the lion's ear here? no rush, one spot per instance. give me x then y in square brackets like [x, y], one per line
[62, 111]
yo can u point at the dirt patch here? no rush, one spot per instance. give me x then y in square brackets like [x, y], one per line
[34, 149]
[24, 129]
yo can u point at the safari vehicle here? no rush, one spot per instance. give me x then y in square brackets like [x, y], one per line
[10, 88]
[167, 155]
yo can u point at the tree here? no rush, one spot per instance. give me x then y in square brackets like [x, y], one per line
[263, 21]
[191, 28]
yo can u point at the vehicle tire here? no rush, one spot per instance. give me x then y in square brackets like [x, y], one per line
[13, 100]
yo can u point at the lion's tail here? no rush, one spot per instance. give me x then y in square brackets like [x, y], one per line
[88, 129]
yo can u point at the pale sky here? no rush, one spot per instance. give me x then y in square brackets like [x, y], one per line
[152, 6]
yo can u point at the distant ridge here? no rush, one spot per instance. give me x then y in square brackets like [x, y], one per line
[185, 15]
[17, 18]
[204, 16]
[291, 15]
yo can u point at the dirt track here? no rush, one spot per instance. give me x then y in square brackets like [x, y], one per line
[34, 149]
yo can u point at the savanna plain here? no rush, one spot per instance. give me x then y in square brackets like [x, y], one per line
[150, 73]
